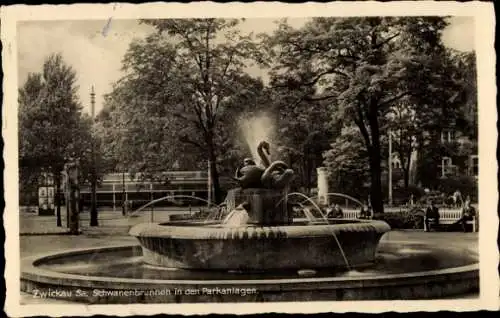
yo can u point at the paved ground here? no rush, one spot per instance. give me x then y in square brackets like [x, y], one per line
[110, 222]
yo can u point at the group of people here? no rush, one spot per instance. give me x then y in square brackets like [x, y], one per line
[335, 211]
[456, 199]
[432, 215]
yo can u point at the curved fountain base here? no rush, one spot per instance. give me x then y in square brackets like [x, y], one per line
[191, 246]
[402, 271]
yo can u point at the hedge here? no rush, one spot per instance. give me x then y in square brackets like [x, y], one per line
[411, 219]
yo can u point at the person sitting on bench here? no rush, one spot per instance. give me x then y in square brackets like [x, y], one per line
[365, 212]
[431, 215]
[468, 213]
[335, 212]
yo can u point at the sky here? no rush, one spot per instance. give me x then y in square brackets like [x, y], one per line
[96, 55]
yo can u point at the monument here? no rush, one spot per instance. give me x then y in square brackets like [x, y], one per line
[322, 186]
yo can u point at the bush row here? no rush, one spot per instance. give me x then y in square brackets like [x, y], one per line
[402, 220]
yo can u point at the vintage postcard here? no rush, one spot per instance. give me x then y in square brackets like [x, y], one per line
[205, 158]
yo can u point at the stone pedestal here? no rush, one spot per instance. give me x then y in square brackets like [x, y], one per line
[322, 186]
[266, 207]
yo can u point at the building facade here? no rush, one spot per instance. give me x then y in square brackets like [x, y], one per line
[183, 187]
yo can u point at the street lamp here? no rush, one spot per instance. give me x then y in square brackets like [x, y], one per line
[93, 177]
[209, 185]
[124, 202]
[390, 167]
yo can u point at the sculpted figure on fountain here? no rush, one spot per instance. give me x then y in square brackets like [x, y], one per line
[275, 175]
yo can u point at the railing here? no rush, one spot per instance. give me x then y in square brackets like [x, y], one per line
[351, 214]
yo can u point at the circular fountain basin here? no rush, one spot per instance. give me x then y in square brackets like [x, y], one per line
[189, 245]
[118, 274]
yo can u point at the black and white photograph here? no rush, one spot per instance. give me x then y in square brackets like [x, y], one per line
[161, 154]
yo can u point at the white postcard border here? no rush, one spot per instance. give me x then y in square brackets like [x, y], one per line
[488, 194]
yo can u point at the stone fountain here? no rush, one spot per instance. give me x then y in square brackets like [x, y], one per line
[257, 253]
[268, 239]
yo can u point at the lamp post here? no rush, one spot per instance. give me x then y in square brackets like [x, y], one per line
[93, 178]
[389, 177]
[209, 185]
[124, 202]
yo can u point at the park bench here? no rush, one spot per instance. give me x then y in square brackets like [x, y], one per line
[451, 216]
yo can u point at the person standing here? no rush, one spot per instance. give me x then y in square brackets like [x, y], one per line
[457, 198]
[411, 201]
[431, 215]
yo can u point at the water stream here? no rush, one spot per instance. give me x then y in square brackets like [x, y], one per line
[325, 218]
[168, 197]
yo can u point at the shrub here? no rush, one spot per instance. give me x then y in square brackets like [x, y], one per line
[465, 184]
[401, 196]
[401, 220]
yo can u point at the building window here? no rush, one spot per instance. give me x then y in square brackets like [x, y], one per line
[474, 166]
[446, 166]
[447, 135]
[395, 162]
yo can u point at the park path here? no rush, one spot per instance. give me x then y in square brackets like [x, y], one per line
[110, 222]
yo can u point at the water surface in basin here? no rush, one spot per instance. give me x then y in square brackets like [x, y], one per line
[392, 258]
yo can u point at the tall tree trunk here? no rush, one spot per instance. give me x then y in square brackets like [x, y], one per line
[215, 177]
[305, 171]
[406, 176]
[376, 200]
[93, 189]
[74, 209]
[375, 164]
[308, 173]
[214, 173]
[406, 168]
[93, 201]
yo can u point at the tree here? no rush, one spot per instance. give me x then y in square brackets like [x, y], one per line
[347, 163]
[50, 123]
[464, 66]
[29, 171]
[184, 78]
[304, 132]
[459, 114]
[403, 125]
[366, 65]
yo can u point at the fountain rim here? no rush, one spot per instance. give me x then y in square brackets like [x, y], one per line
[32, 271]
[200, 232]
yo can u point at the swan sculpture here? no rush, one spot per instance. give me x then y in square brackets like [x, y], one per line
[275, 175]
